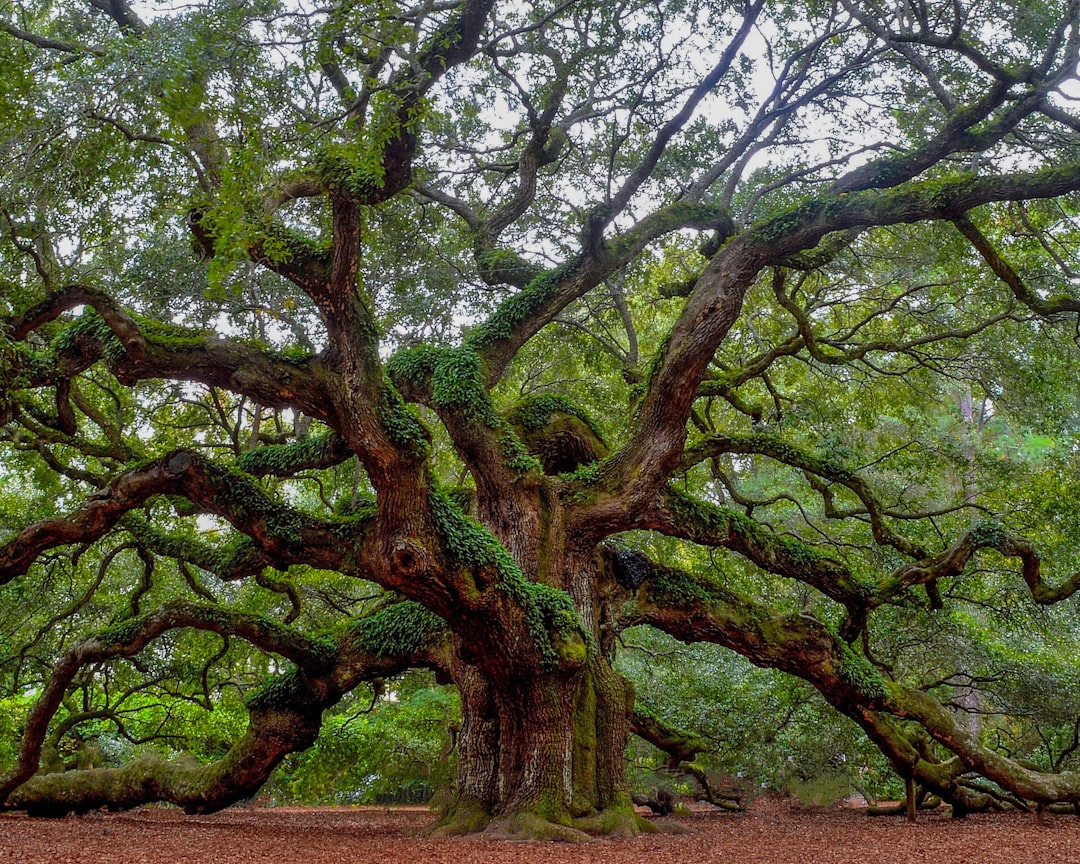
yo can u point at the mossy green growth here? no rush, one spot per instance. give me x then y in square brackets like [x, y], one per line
[587, 475]
[164, 334]
[123, 632]
[286, 459]
[535, 412]
[22, 366]
[456, 383]
[677, 588]
[506, 266]
[90, 325]
[401, 425]
[402, 628]
[469, 543]
[783, 554]
[281, 691]
[499, 259]
[464, 815]
[358, 166]
[860, 673]
[246, 501]
[781, 226]
[453, 376]
[516, 309]
[989, 532]
[282, 244]
[236, 556]
[515, 455]
[550, 615]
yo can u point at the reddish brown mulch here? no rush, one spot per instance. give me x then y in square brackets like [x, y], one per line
[772, 832]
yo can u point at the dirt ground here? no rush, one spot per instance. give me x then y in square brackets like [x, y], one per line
[772, 832]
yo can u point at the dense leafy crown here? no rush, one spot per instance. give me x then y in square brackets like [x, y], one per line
[341, 340]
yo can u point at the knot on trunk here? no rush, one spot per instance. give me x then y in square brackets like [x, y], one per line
[409, 558]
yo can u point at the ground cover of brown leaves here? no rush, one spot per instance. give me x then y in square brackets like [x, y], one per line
[772, 832]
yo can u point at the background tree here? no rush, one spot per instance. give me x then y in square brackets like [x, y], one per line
[464, 336]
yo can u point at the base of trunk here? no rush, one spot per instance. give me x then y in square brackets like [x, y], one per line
[461, 816]
[467, 816]
[533, 826]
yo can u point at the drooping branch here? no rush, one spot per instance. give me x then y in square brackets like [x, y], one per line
[285, 535]
[681, 515]
[827, 469]
[284, 715]
[229, 562]
[682, 748]
[132, 636]
[1008, 274]
[693, 608]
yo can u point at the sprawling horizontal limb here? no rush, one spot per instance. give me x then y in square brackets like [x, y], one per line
[693, 608]
[284, 715]
[285, 535]
[139, 349]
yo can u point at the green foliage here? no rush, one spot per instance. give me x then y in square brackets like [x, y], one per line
[905, 386]
[515, 455]
[90, 325]
[285, 459]
[401, 628]
[390, 745]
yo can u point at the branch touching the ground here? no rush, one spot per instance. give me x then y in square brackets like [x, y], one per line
[285, 714]
[694, 608]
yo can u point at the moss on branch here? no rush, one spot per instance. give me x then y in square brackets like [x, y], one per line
[506, 321]
[550, 616]
[557, 432]
[285, 460]
[404, 628]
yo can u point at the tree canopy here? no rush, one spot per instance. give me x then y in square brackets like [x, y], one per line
[487, 338]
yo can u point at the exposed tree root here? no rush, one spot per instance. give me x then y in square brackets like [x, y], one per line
[617, 821]
[533, 826]
[462, 816]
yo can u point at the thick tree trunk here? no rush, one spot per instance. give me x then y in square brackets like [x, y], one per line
[543, 757]
[541, 750]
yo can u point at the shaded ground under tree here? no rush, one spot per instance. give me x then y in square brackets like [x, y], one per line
[772, 832]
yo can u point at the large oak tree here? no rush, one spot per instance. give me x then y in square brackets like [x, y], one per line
[547, 319]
